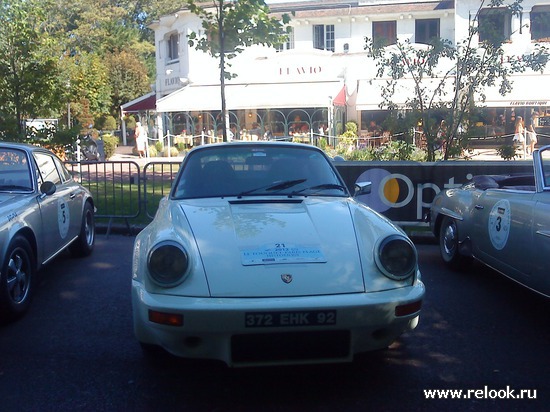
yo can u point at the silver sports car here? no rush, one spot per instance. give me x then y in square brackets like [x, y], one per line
[42, 212]
[502, 221]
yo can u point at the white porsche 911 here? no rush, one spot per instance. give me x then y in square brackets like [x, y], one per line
[260, 256]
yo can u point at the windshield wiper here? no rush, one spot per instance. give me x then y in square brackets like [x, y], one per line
[319, 188]
[274, 187]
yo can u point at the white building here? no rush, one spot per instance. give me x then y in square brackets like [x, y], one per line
[323, 77]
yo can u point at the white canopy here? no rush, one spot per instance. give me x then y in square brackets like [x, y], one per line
[252, 96]
[527, 90]
[369, 92]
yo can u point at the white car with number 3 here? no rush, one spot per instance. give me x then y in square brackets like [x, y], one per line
[501, 220]
[260, 256]
[42, 212]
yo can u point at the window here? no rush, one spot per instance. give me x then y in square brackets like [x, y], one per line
[495, 25]
[323, 37]
[384, 33]
[426, 30]
[173, 46]
[289, 45]
[540, 23]
[46, 166]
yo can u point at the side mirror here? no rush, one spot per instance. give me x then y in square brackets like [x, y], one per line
[362, 188]
[48, 188]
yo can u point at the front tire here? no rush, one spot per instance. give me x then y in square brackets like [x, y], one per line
[449, 245]
[84, 244]
[16, 281]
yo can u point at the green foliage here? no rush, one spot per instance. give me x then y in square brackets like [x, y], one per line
[93, 54]
[127, 76]
[153, 152]
[130, 122]
[174, 152]
[393, 151]
[110, 144]
[507, 152]
[349, 137]
[180, 146]
[28, 81]
[106, 122]
[159, 146]
[65, 136]
[243, 24]
[352, 127]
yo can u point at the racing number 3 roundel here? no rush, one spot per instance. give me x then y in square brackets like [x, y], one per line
[499, 224]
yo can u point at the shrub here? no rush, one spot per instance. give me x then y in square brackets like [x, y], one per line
[105, 122]
[153, 152]
[180, 146]
[110, 144]
[174, 152]
[159, 146]
[507, 152]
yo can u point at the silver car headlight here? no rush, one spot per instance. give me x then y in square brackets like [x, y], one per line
[396, 257]
[167, 263]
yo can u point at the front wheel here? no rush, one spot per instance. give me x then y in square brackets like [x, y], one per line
[84, 244]
[16, 281]
[449, 245]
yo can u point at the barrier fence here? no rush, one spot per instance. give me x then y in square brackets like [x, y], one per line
[402, 191]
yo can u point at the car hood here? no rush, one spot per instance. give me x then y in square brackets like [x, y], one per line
[6, 202]
[6, 197]
[287, 247]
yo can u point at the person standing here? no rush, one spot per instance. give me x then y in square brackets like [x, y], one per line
[532, 137]
[519, 134]
[141, 140]
[530, 132]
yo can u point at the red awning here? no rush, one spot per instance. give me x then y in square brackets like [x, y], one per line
[340, 99]
[144, 103]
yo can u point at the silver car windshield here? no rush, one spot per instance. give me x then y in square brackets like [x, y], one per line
[257, 170]
[15, 174]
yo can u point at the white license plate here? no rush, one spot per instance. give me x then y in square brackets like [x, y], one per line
[290, 318]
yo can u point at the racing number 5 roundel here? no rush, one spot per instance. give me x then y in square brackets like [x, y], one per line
[499, 224]
[63, 218]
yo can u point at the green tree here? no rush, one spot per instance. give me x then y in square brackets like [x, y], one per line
[446, 78]
[127, 76]
[28, 79]
[230, 27]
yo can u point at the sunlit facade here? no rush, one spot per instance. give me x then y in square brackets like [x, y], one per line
[322, 78]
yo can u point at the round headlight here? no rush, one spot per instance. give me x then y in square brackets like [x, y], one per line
[167, 263]
[396, 257]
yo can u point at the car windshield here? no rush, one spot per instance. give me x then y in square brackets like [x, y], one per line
[257, 170]
[15, 174]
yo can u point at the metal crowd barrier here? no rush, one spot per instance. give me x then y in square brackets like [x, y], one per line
[124, 190]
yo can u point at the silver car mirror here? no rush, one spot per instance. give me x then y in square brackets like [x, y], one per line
[48, 188]
[362, 188]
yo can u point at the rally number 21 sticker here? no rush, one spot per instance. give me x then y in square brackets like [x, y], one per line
[499, 224]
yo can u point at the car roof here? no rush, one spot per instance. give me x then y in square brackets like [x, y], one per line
[268, 143]
[23, 146]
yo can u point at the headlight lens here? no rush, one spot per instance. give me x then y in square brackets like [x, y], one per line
[167, 263]
[396, 257]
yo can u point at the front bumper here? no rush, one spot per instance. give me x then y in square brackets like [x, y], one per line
[216, 328]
